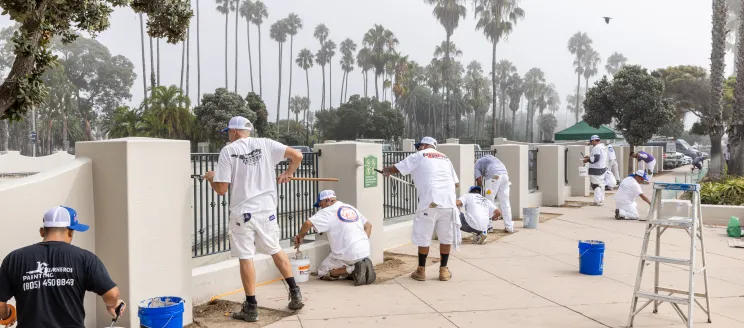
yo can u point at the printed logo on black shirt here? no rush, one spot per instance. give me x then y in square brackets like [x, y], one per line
[249, 159]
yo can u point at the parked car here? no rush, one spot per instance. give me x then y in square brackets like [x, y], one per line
[672, 159]
[685, 148]
[687, 160]
[306, 160]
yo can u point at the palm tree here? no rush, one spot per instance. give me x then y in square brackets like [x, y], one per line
[321, 33]
[497, 19]
[735, 130]
[235, 8]
[294, 24]
[504, 69]
[591, 66]
[571, 101]
[305, 61]
[717, 66]
[298, 104]
[124, 123]
[515, 91]
[278, 33]
[477, 94]
[166, 117]
[549, 99]
[364, 61]
[152, 65]
[579, 45]
[144, 63]
[381, 43]
[224, 7]
[615, 62]
[448, 49]
[330, 51]
[259, 14]
[449, 13]
[347, 48]
[247, 11]
[534, 83]
[732, 24]
[198, 59]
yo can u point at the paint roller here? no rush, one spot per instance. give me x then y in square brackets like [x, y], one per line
[359, 164]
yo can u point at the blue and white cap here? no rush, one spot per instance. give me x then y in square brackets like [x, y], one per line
[63, 217]
[239, 123]
[426, 141]
[642, 174]
[594, 137]
[474, 188]
[323, 195]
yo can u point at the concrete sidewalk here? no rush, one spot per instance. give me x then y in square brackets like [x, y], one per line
[529, 279]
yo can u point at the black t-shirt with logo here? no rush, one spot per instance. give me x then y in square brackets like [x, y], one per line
[49, 281]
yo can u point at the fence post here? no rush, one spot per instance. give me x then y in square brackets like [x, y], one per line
[579, 185]
[339, 160]
[551, 177]
[463, 158]
[452, 141]
[142, 230]
[514, 158]
[408, 145]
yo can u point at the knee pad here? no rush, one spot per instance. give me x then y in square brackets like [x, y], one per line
[594, 186]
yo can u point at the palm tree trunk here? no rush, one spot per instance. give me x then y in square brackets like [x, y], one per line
[330, 82]
[183, 63]
[377, 89]
[289, 98]
[493, 89]
[158, 60]
[4, 136]
[527, 121]
[144, 63]
[250, 59]
[717, 57]
[578, 94]
[198, 59]
[322, 101]
[237, 20]
[307, 83]
[341, 98]
[227, 18]
[346, 88]
[279, 93]
[188, 60]
[365, 75]
[152, 65]
[260, 70]
[736, 130]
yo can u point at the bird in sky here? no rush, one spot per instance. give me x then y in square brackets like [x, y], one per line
[607, 19]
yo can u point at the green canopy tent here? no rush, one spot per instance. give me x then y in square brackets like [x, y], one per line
[582, 131]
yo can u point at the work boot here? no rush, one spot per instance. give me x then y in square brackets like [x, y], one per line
[476, 238]
[248, 313]
[371, 275]
[483, 238]
[360, 273]
[295, 299]
[419, 274]
[617, 214]
[444, 274]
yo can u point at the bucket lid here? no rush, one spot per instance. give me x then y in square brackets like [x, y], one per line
[592, 242]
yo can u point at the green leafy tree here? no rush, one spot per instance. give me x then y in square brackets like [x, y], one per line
[674, 128]
[41, 21]
[634, 100]
[371, 119]
[261, 116]
[497, 19]
[167, 115]
[215, 112]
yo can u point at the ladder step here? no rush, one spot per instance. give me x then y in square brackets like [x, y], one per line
[662, 298]
[673, 222]
[662, 259]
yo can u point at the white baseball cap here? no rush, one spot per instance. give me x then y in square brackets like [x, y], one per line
[642, 174]
[426, 141]
[63, 217]
[239, 123]
[594, 137]
[323, 195]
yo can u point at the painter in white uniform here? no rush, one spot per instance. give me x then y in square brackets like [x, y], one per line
[612, 164]
[348, 234]
[629, 190]
[436, 181]
[491, 173]
[597, 160]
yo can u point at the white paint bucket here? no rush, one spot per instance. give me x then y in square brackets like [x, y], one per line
[300, 268]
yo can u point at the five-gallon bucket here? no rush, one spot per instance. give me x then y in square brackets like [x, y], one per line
[591, 257]
[300, 267]
[531, 217]
[161, 312]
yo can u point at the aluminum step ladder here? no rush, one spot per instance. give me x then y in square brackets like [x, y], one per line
[694, 228]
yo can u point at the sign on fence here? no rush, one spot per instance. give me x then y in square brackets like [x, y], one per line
[370, 176]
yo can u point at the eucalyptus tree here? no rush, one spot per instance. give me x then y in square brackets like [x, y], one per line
[497, 19]
[579, 45]
[278, 33]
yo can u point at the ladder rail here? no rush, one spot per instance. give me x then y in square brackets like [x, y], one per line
[704, 268]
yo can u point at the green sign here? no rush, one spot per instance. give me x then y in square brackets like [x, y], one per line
[370, 176]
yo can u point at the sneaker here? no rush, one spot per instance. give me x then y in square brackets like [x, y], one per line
[444, 274]
[295, 299]
[617, 214]
[508, 230]
[476, 238]
[248, 313]
[482, 240]
[371, 275]
[419, 274]
[608, 188]
[359, 273]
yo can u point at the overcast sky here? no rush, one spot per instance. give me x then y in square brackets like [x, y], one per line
[652, 33]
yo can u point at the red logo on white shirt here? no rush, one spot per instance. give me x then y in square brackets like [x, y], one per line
[347, 214]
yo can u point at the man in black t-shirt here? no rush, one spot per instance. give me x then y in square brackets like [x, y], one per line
[49, 279]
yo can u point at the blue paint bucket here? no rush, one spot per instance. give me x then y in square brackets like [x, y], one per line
[161, 312]
[591, 257]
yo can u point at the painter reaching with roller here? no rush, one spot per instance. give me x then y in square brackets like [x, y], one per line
[436, 183]
[348, 233]
[597, 168]
[247, 167]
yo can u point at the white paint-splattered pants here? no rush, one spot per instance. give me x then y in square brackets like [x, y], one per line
[597, 181]
[629, 211]
[614, 167]
[498, 186]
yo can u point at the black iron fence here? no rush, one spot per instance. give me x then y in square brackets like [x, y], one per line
[565, 166]
[532, 172]
[399, 198]
[211, 211]
[481, 153]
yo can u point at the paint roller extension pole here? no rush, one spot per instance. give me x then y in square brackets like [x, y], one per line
[359, 163]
